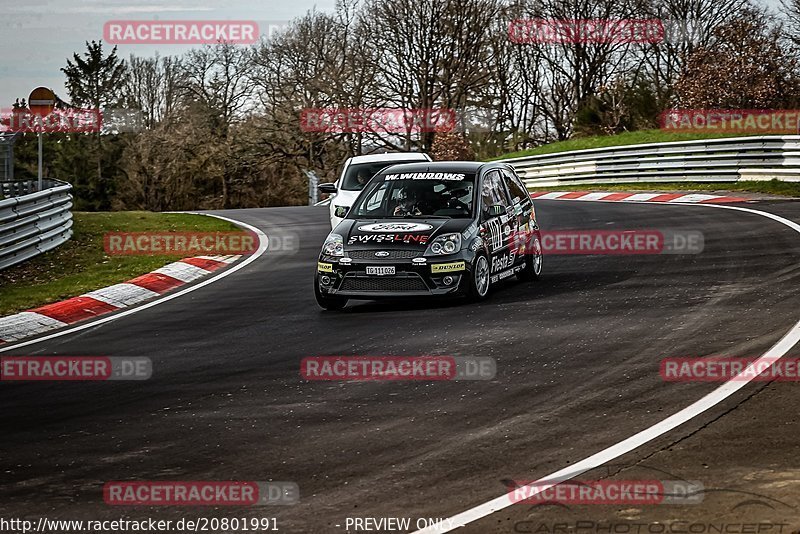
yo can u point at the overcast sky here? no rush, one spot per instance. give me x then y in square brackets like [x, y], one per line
[39, 35]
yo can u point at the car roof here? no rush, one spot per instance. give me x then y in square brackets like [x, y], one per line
[388, 156]
[467, 167]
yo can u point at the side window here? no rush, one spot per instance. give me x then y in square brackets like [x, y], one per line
[516, 190]
[493, 193]
[375, 198]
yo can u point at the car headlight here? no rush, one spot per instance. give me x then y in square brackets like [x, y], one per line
[334, 245]
[444, 244]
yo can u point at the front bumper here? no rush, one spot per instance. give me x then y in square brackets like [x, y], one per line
[436, 276]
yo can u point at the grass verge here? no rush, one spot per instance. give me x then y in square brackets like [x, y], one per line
[627, 138]
[81, 265]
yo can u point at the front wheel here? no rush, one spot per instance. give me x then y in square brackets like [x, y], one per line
[479, 279]
[326, 302]
[533, 262]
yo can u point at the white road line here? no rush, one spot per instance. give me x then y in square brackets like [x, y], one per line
[736, 383]
[262, 248]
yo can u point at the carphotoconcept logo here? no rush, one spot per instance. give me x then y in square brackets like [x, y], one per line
[74, 368]
[380, 368]
[180, 31]
[200, 493]
[179, 243]
[583, 31]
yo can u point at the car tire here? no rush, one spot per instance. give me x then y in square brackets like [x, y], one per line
[325, 302]
[479, 279]
[534, 261]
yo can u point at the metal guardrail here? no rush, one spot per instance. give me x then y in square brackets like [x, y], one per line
[730, 159]
[31, 221]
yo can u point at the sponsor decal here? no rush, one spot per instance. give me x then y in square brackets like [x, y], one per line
[506, 274]
[448, 267]
[324, 267]
[421, 239]
[447, 176]
[382, 368]
[200, 493]
[494, 227]
[501, 263]
[395, 227]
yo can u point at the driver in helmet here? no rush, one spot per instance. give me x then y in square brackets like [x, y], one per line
[407, 205]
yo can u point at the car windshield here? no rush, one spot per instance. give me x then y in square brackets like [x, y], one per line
[356, 176]
[417, 195]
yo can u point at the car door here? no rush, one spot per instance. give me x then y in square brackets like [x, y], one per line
[498, 225]
[522, 207]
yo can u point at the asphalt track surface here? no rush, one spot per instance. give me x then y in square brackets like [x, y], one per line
[578, 358]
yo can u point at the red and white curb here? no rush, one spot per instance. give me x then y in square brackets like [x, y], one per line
[108, 299]
[675, 198]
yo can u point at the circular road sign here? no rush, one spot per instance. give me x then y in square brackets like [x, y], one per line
[42, 101]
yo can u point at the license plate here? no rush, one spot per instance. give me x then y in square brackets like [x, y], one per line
[380, 271]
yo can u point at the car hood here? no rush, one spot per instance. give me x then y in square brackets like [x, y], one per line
[396, 233]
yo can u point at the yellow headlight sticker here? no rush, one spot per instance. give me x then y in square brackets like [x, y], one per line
[447, 267]
[324, 267]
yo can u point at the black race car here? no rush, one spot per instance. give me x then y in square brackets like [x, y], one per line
[427, 229]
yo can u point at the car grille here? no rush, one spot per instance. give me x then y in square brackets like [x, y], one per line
[393, 254]
[376, 283]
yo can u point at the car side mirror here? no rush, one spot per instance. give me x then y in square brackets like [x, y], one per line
[496, 210]
[327, 188]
